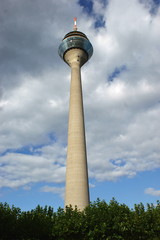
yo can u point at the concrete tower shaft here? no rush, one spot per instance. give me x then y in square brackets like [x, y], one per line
[75, 50]
[77, 190]
[75, 56]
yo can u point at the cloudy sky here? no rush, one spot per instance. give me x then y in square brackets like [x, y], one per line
[121, 88]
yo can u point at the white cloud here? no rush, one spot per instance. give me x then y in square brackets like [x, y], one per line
[122, 116]
[152, 191]
[91, 185]
[18, 170]
[27, 187]
[56, 190]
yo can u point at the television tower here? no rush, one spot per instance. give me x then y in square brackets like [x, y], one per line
[76, 50]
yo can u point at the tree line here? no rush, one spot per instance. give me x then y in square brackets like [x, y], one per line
[99, 221]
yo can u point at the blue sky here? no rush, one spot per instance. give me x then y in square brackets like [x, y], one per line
[121, 100]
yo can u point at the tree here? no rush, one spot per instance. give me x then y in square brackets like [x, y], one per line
[102, 221]
[8, 221]
[36, 224]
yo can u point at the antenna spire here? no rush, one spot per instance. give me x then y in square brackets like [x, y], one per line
[75, 24]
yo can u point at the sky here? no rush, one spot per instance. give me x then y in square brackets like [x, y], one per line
[121, 91]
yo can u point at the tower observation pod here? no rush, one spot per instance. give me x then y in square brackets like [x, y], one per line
[76, 50]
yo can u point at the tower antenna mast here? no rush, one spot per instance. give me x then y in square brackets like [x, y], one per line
[75, 24]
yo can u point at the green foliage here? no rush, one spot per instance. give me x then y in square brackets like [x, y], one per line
[99, 221]
[8, 221]
[36, 224]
